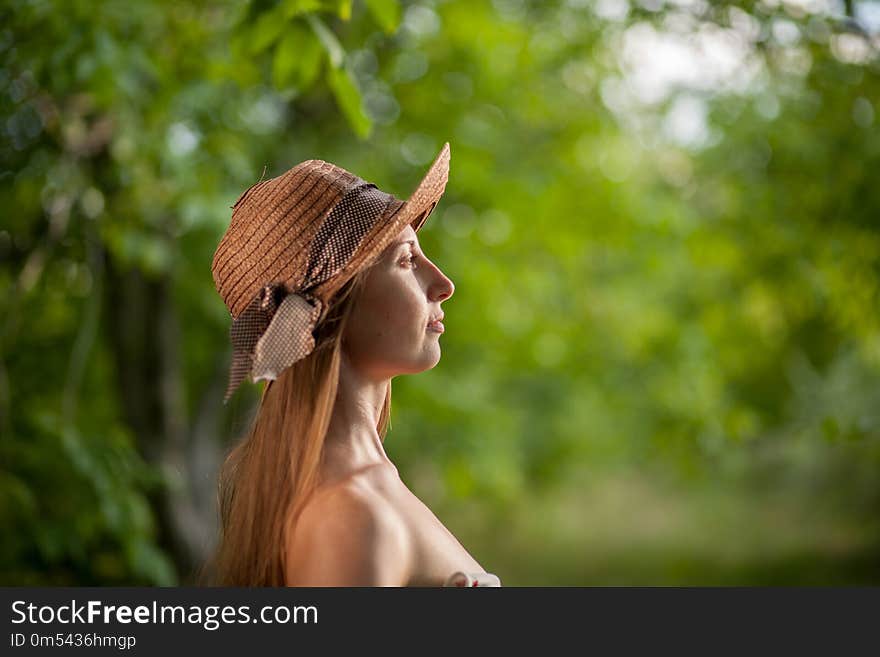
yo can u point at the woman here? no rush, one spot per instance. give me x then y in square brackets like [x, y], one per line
[332, 297]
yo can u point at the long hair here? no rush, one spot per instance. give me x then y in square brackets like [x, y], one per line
[270, 474]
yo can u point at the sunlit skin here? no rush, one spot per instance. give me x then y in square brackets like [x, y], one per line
[387, 335]
[365, 527]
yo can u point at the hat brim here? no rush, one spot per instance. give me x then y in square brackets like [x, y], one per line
[414, 211]
[424, 199]
[418, 207]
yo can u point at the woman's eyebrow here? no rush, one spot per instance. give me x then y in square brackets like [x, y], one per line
[396, 246]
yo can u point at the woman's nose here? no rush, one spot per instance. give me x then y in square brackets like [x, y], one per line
[441, 287]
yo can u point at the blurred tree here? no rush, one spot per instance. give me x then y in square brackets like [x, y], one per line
[123, 141]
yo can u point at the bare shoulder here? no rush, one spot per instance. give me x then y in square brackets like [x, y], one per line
[348, 536]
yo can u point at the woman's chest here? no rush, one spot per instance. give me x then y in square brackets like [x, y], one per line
[436, 552]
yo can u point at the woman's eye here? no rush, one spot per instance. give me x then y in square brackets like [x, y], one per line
[411, 260]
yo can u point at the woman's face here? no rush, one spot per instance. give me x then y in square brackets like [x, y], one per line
[388, 333]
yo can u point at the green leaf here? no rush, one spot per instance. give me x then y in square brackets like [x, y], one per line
[265, 31]
[386, 13]
[310, 62]
[331, 44]
[297, 59]
[343, 9]
[303, 7]
[349, 99]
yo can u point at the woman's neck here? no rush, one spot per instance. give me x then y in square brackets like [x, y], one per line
[353, 442]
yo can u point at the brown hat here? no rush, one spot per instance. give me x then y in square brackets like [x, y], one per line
[292, 243]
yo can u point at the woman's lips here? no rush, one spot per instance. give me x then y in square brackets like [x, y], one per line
[436, 326]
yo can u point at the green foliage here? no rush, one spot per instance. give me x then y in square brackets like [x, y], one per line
[663, 351]
[301, 43]
[297, 60]
[386, 13]
[346, 93]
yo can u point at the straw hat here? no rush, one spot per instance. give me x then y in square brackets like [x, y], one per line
[292, 243]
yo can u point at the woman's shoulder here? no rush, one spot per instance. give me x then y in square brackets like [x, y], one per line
[355, 502]
[361, 497]
[347, 535]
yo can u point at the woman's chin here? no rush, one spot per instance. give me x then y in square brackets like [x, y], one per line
[430, 357]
